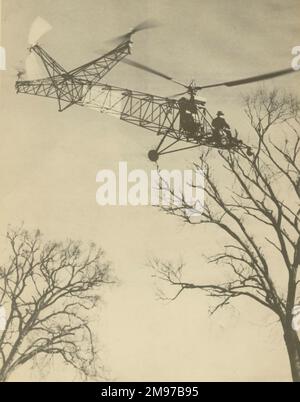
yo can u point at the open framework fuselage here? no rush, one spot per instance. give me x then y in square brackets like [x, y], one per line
[183, 120]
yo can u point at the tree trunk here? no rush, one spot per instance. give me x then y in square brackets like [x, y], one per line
[293, 347]
[2, 377]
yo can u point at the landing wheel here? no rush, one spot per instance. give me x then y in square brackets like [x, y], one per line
[249, 151]
[153, 155]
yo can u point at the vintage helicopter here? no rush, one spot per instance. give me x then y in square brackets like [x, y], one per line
[181, 124]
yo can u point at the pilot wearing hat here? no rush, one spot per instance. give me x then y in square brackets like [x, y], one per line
[219, 124]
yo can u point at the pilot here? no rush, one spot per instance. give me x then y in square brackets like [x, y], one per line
[186, 109]
[219, 124]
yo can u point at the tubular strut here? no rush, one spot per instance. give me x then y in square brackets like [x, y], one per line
[66, 89]
[52, 67]
[165, 135]
[71, 87]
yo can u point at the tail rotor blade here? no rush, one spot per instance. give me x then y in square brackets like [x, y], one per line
[38, 29]
[118, 39]
[33, 67]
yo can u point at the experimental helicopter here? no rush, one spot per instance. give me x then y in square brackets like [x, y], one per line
[181, 124]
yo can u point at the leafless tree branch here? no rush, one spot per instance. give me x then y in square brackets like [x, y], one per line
[48, 290]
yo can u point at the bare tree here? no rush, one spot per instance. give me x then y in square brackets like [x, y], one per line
[255, 205]
[47, 290]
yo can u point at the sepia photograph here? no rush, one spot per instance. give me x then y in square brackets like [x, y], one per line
[150, 193]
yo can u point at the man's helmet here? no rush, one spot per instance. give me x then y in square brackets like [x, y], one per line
[220, 113]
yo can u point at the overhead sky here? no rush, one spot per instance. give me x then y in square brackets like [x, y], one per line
[49, 162]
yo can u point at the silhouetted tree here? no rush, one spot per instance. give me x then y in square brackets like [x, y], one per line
[254, 201]
[47, 290]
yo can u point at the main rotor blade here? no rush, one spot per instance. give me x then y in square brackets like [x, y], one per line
[180, 94]
[249, 80]
[151, 70]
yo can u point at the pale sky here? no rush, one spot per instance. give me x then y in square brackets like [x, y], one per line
[49, 162]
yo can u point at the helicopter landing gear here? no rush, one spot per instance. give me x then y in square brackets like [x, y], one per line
[153, 155]
[249, 151]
